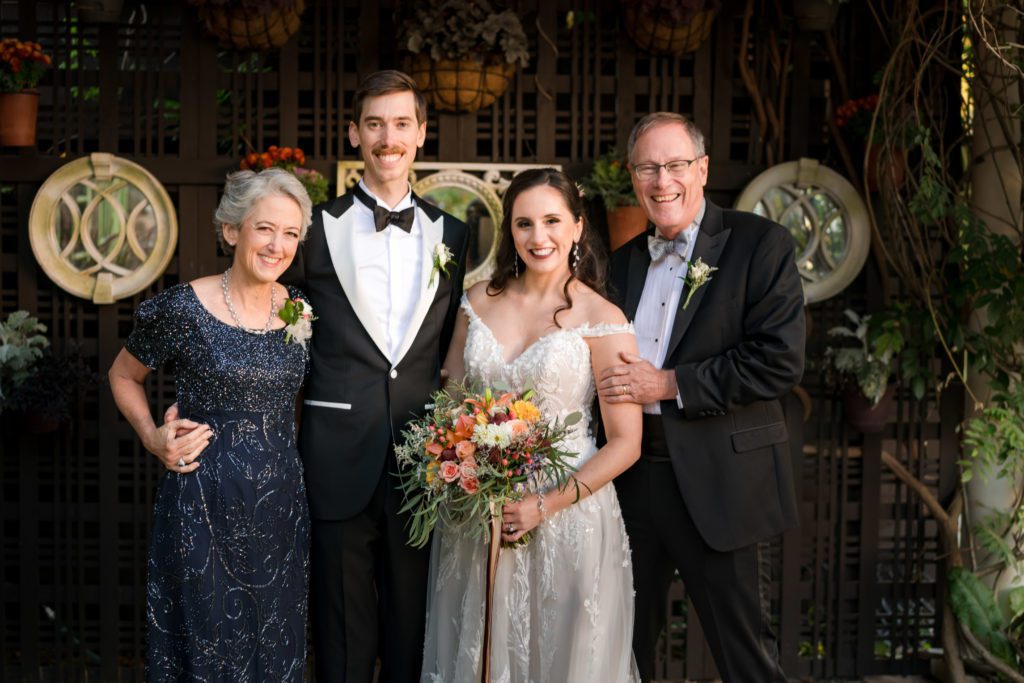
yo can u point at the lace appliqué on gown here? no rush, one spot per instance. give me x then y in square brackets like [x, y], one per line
[564, 603]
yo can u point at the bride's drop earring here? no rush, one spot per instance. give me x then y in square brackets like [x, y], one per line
[575, 255]
[515, 255]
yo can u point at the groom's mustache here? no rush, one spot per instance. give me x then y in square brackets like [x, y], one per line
[388, 150]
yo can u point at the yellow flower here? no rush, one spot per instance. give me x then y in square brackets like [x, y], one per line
[432, 468]
[525, 410]
[482, 418]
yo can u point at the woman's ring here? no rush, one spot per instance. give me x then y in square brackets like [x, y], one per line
[622, 390]
[511, 529]
[181, 462]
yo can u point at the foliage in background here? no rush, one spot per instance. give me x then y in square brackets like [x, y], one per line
[53, 383]
[870, 363]
[22, 64]
[21, 345]
[462, 29]
[609, 179]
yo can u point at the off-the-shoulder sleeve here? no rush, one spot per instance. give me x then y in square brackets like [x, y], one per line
[605, 329]
[154, 341]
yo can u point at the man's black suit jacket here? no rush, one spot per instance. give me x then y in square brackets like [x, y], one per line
[736, 350]
[344, 450]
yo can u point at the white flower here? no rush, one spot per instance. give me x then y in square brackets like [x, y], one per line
[492, 436]
[442, 258]
[697, 275]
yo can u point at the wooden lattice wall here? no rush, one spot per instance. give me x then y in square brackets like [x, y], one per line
[857, 589]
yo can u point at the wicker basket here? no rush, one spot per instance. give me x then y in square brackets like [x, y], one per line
[460, 86]
[235, 26]
[654, 32]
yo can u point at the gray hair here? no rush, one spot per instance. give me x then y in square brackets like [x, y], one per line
[658, 118]
[244, 188]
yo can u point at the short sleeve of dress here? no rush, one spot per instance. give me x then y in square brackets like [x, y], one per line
[605, 329]
[154, 341]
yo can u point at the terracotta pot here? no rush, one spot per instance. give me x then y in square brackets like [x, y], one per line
[815, 15]
[625, 223]
[890, 171]
[18, 118]
[462, 86]
[867, 418]
[239, 27]
[654, 31]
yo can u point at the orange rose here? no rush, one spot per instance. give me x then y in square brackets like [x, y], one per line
[449, 471]
[465, 449]
[469, 484]
[518, 427]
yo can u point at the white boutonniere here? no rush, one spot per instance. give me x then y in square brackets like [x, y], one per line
[299, 315]
[697, 275]
[442, 259]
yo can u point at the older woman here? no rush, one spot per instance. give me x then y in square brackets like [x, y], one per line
[226, 593]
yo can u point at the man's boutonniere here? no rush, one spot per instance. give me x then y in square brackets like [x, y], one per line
[442, 259]
[697, 275]
[299, 315]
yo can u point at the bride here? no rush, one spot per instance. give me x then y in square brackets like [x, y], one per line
[563, 604]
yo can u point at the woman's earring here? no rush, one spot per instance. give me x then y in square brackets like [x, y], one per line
[515, 255]
[575, 256]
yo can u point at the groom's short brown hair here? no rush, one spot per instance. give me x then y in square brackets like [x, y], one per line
[384, 83]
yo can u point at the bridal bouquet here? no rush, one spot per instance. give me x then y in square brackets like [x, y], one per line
[470, 456]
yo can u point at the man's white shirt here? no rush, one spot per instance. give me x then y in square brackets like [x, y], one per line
[656, 312]
[389, 267]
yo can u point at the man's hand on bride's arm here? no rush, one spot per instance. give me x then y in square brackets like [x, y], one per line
[635, 380]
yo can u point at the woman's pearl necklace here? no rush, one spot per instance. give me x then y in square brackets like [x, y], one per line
[234, 313]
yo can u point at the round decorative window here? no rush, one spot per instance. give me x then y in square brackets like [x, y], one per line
[103, 228]
[826, 217]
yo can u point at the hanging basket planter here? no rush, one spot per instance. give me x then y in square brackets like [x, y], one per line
[18, 112]
[663, 30]
[239, 25]
[462, 86]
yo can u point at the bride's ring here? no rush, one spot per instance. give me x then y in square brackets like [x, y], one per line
[511, 529]
[181, 462]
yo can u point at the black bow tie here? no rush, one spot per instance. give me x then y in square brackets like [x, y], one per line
[382, 218]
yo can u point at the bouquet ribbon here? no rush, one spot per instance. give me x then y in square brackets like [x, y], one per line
[492, 571]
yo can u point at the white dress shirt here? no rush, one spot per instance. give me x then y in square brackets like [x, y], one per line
[390, 263]
[658, 305]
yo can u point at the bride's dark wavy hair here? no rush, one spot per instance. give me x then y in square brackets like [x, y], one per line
[591, 267]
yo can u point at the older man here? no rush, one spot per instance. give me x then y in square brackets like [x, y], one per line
[717, 303]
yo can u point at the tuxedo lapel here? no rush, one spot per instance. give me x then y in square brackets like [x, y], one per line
[636, 274]
[433, 234]
[711, 239]
[339, 231]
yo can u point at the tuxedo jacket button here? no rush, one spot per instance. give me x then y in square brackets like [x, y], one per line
[394, 373]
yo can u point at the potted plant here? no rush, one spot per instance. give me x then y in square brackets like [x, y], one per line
[669, 27]
[21, 345]
[292, 159]
[251, 24]
[816, 15]
[609, 179]
[22, 64]
[464, 52]
[864, 371]
[46, 395]
[853, 117]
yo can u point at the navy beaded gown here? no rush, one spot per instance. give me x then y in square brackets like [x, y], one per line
[228, 560]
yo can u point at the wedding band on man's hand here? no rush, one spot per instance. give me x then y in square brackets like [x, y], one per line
[181, 462]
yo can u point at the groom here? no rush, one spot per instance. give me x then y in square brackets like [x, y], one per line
[717, 304]
[370, 267]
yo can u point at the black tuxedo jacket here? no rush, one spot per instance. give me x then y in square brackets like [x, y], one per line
[357, 399]
[736, 350]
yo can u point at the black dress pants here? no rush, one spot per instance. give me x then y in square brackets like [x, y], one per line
[730, 590]
[368, 594]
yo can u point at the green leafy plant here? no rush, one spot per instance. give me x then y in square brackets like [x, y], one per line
[609, 179]
[869, 364]
[21, 346]
[462, 29]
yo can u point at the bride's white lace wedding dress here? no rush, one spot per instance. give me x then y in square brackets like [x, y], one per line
[563, 604]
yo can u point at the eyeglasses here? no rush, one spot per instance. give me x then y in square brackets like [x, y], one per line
[676, 169]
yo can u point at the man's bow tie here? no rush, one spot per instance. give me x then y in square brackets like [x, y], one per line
[659, 246]
[382, 217]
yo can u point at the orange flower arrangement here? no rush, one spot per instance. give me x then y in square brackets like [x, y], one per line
[291, 159]
[22, 64]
